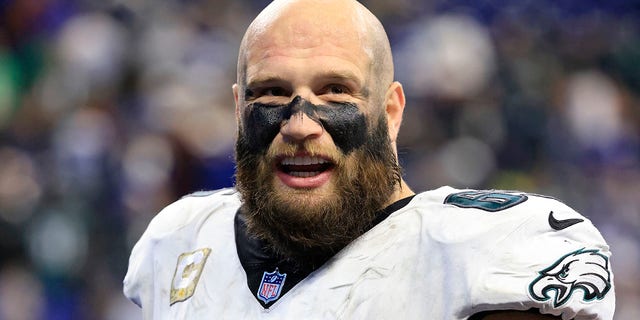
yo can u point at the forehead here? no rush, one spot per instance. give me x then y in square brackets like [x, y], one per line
[334, 41]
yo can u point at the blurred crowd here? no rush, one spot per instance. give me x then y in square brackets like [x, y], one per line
[110, 110]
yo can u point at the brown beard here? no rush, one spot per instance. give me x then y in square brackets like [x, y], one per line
[303, 225]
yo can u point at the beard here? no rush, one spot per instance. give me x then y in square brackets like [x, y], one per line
[306, 224]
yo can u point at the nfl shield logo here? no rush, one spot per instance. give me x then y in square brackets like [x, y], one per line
[271, 285]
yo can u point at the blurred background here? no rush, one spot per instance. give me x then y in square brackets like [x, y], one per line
[110, 110]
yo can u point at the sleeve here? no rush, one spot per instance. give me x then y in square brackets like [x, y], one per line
[146, 265]
[138, 273]
[554, 260]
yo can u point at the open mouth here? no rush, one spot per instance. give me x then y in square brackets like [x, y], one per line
[304, 166]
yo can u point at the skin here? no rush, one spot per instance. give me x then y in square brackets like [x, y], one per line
[324, 52]
[315, 51]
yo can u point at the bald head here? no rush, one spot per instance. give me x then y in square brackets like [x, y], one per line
[310, 23]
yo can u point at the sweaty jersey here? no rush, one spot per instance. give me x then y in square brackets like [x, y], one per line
[443, 254]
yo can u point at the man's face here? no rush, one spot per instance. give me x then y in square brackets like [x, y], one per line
[314, 157]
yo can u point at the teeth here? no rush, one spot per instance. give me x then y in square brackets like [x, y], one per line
[301, 161]
[304, 174]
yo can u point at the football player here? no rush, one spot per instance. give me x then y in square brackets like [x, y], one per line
[321, 224]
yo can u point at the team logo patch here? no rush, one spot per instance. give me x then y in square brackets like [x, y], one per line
[271, 285]
[487, 200]
[187, 274]
[587, 270]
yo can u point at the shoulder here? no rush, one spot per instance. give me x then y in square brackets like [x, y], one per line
[488, 201]
[506, 220]
[193, 208]
[170, 233]
[526, 250]
[489, 209]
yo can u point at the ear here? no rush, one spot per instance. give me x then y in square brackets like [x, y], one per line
[394, 104]
[235, 98]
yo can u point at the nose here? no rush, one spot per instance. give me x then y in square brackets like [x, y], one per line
[300, 128]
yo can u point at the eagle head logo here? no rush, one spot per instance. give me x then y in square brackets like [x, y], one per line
[587, 270]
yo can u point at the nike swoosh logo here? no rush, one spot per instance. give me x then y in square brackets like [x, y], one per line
[562, 224]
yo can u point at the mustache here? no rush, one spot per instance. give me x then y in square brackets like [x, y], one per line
[279, 150]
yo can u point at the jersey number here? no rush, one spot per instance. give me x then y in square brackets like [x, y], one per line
[486, 200]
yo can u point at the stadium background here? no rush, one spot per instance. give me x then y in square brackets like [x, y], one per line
[110, 110]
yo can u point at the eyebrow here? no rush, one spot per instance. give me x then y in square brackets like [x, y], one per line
[341, 76]
[330, 75]
[264, 80]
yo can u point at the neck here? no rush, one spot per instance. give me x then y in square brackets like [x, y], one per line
[401, 191]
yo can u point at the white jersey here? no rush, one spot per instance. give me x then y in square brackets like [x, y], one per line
[447, 254]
